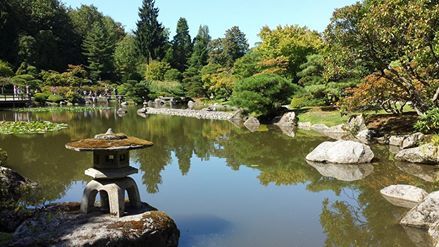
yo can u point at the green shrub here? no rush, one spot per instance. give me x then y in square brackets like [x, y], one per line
[156, 70]
[429, 122]
[73, 97]
[263, 94]
[138, 92]
[173, 75]
[165, 88]
[55, 98]
[5, 69]
[41, 97]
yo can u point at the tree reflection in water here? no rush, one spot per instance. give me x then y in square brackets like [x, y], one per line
[358, 217]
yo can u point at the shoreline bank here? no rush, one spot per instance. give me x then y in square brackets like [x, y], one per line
[200, 114]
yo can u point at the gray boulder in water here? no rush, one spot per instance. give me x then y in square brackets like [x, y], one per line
[252, 124]
[425, 215]
[288, 119]
[425, 154]
[402, 195]
[341, 152]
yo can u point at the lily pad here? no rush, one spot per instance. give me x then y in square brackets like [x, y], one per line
[33, 127]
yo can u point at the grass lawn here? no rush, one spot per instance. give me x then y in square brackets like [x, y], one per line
[319, 116]
[389, 123]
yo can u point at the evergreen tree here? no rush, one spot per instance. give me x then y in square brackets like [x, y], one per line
[98, 48]
[181, 46]
[192, 79]
[235, 45]
[200, 51]
[151, 38]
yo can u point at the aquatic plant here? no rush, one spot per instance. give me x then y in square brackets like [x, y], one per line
[34, 127]
[63, 109]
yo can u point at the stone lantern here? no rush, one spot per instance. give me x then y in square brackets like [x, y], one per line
[111, 168]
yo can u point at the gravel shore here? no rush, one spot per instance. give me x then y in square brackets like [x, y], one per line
[200, 114]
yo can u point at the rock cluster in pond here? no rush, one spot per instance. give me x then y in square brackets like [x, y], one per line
[64, 225]
[341, 152]
[424, 212]
[425, 215]
[425, 154]
[402, 195]
[343, 172]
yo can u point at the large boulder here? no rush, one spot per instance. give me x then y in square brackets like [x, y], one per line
[341, 152]
[288, 119]
[64, 225]
[425, 154]
[343, 172]
[425, 214]
[412, 140]
[402, 195]
[365, 136]
[190, 104]
[13, 185]
[13, 188]
[252, 124]
[406, 141]
[396, 140]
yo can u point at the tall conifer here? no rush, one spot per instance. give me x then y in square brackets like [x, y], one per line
[181, 46]
[98, 48]
[151, 38]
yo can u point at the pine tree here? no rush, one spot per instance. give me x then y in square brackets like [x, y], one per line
[98, 48]
[235, 45]
[151, 37]
[200, 51]
[192, 78]
[181, 46]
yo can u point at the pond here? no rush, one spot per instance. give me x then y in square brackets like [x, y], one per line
[227, 186]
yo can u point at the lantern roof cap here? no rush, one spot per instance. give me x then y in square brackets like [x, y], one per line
[109, 141]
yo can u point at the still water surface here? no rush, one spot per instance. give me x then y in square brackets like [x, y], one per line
[226, 186]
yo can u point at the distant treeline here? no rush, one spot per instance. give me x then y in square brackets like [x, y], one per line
[373, 54]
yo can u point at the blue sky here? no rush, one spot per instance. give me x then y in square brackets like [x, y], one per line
[219, 15]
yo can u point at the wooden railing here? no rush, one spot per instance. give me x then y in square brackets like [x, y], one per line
[14, 97]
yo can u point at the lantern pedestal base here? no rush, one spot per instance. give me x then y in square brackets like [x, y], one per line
[110, 173]
[112, 192]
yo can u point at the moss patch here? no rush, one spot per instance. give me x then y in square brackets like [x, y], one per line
[96, 144]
